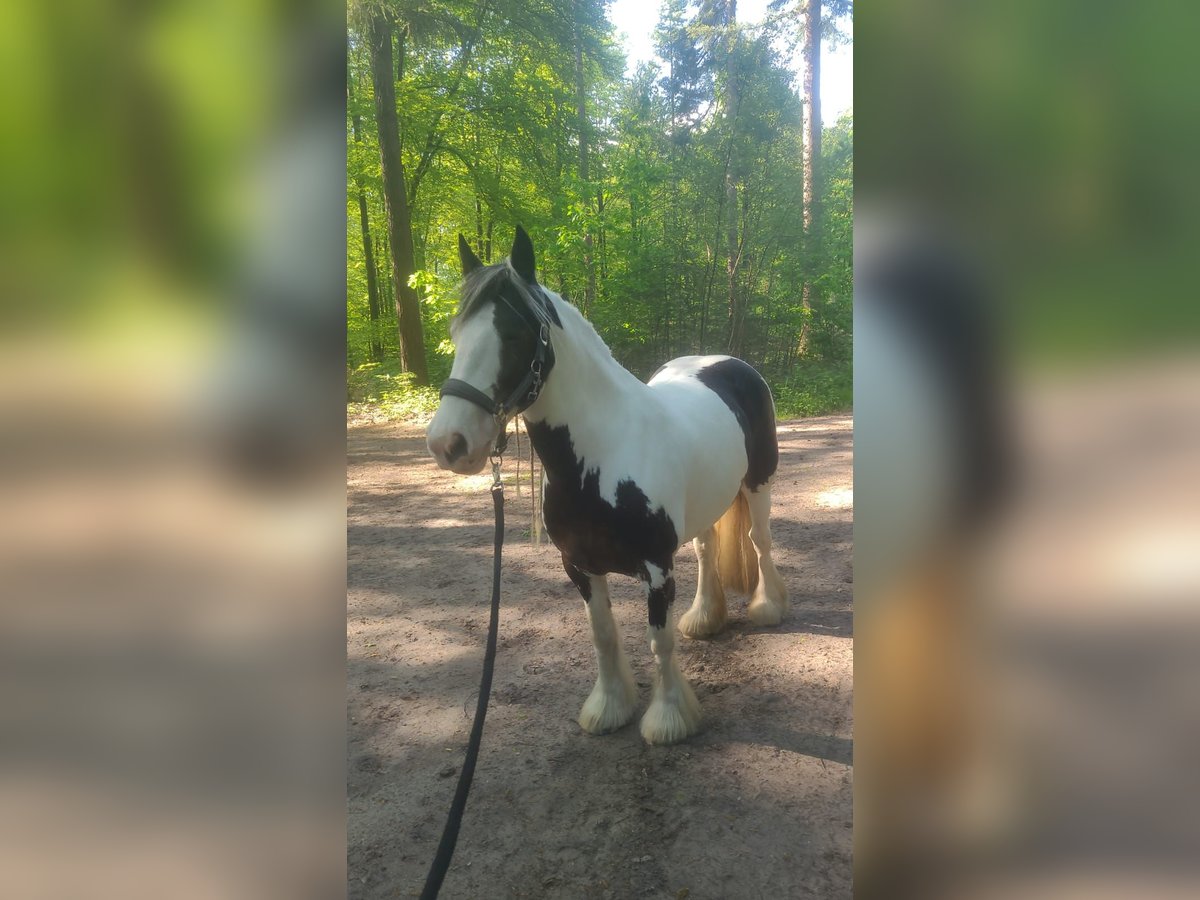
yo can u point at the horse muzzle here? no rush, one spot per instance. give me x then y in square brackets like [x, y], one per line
[451, 450]
[460, 436]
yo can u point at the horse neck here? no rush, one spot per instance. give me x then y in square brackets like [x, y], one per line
[587, 390]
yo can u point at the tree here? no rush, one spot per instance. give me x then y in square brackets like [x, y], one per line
[395, 197]
[733, 248]
[669, 206]
[814, 26]
[589, 262]
[373, 305]
[811, 88]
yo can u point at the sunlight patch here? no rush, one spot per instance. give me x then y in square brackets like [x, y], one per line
[838, 498]
[473, 483]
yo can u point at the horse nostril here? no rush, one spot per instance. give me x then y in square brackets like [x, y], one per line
[456, 448]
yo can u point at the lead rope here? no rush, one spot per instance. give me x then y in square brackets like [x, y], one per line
[445, 851]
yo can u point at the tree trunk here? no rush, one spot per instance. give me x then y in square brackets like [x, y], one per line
[710, 275]
[478, 224]
[589, 265]
[603, 241]
[364, 221]
[372, 286]
[811, 174]
[384, 268]
[732, 244]
[395, 198]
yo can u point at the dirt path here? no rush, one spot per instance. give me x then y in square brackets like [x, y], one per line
[758, 805]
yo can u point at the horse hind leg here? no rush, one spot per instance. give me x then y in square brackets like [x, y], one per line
[674, 711]
[769, 601]
[708, 613]
[613, 701]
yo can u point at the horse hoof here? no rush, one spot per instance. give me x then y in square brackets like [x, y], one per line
[764, 613]
[669, 723]
[606, 711]
[695, 624]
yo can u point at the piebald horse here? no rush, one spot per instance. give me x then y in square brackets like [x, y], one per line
[631, 471]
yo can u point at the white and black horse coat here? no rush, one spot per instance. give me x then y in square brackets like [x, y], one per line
[632, 470]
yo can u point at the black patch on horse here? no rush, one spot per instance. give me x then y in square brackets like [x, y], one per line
[518, 327]
[594, 535]
[579, 579]
[747, 395]
[659, 599]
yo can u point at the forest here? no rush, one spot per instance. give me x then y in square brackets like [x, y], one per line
[694, 205]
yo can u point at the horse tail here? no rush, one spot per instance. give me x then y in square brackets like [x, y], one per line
[737, 561]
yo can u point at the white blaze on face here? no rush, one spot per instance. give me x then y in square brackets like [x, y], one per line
[461, 433]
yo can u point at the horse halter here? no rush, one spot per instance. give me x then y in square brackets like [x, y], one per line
[522, 396]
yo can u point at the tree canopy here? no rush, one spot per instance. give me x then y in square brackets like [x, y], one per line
[667, 205]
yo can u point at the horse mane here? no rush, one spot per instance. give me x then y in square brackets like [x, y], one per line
[484, 283]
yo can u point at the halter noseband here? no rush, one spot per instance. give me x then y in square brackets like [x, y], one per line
[523, 395]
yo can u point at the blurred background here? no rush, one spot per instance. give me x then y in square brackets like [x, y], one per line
[172, 392]
[1027, 393]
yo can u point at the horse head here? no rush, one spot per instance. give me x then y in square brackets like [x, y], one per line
[502, 356]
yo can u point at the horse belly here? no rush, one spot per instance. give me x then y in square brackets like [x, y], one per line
[713, 485]
[710, 456]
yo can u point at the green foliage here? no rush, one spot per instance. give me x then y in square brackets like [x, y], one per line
[814, 390]
[488, 95]
[377, 392]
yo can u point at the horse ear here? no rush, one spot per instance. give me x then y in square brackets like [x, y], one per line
[470, 262]
[522, 255]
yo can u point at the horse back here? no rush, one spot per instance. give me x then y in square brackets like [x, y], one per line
[746, 394]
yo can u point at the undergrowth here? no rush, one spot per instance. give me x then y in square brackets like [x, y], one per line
[378, 393]
[814, 390]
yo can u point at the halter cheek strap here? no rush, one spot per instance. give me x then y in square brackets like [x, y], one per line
[523, 395]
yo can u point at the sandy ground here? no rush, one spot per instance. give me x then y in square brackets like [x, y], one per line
[757, 805]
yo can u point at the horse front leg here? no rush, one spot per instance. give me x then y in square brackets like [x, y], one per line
[674, 711]
[613, 700]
